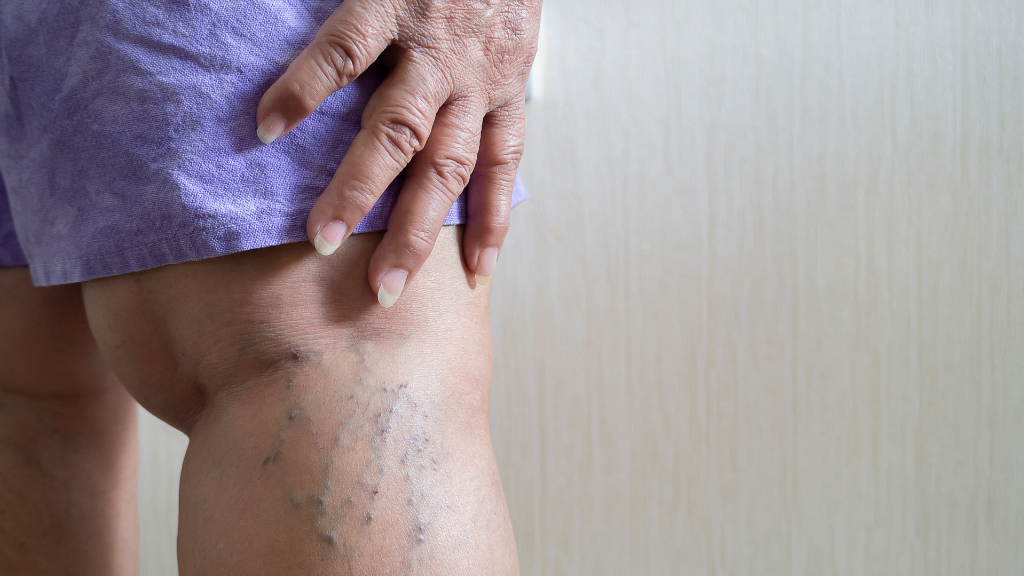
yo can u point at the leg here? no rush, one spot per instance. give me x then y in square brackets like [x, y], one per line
[68, 440]
[327, 434]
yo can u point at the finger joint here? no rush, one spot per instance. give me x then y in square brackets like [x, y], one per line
[453, 169]
[402, 134]
[341, 58]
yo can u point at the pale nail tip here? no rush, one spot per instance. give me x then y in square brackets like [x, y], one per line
[264, 136]
[482, 280]
[323, 247]
[386, 300]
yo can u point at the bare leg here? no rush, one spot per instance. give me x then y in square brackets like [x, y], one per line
[68, 440]
[328, 435]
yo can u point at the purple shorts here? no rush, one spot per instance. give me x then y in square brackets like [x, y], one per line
[128, 138]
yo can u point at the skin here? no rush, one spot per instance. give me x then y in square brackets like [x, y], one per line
[68, 440]
[451, 112]
[327, 435]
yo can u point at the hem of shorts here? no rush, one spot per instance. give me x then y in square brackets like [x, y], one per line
[182, 248]
[12, 262]
[200, 244]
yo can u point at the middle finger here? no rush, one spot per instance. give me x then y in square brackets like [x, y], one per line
[396, 125]
[433, 182]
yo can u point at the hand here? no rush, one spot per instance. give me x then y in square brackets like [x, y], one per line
[451, 107]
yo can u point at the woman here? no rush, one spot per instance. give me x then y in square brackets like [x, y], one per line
[333, 428]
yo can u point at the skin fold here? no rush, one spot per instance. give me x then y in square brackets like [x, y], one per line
[328, 435]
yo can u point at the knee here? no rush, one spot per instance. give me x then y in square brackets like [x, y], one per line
[66, 384]
[183, 363]
[145, 354]
[62, 425]
[180, 337]
[69, 401]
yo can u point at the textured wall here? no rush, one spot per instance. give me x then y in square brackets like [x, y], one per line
[765, 311]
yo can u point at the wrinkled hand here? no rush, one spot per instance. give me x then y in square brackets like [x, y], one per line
[451, 107]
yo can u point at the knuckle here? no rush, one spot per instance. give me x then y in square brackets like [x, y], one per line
[453, 169]
[303, 98]
[505, 163]
[419, 240]
[402, 132]
[341, 57]
[361, 193]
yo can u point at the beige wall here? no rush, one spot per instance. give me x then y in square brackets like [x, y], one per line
[764, 314]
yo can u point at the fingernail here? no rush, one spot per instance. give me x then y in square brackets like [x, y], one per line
[330, 237]
[392, 283]
[485, 263]
[271, 128]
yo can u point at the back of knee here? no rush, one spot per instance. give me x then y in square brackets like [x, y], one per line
[177, 356]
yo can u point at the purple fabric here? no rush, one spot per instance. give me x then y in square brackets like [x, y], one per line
[127, 133]
[10, 249]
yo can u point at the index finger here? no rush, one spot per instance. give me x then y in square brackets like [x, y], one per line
[344, 47]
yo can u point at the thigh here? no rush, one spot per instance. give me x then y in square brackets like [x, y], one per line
[326, 432]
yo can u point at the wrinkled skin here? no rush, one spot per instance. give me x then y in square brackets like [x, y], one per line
[452, 107]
